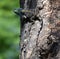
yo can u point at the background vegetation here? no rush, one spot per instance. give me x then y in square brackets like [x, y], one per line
[9, 30]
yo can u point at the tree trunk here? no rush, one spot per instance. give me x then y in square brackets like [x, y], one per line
[40, 39]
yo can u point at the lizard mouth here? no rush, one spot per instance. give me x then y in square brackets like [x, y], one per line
[16, 11]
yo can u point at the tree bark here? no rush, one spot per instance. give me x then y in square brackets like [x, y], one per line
[40, 39]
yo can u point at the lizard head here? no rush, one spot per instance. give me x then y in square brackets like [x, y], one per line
[20, 12]
[23, 12]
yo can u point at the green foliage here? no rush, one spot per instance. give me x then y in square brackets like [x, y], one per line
[9, 30]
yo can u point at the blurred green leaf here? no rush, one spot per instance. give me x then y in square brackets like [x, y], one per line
[9, 30]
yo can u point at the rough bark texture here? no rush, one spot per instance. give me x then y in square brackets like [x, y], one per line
[40, 39]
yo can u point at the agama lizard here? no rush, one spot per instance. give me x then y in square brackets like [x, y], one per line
[23, 13]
